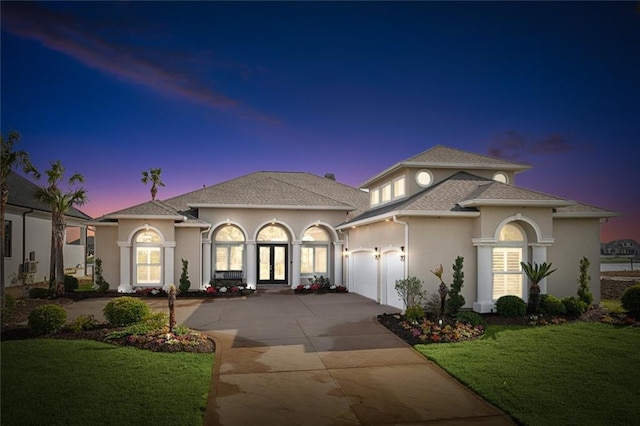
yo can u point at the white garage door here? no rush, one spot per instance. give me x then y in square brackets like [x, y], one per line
[364, 274]
[393, 270]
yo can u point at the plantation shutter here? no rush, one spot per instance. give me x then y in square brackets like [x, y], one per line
[507, 273]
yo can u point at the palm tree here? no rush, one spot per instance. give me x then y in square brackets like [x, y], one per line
[60, 203]
[536, 273]
[9, 160]
[153, 176]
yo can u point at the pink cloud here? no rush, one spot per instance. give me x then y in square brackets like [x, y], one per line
[75, 38]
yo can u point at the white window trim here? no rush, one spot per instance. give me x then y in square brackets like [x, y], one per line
[421, 185]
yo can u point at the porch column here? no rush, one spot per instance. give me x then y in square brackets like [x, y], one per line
[484, 285]
[337, 262]
[125, 267]
[539, 255]
[251, 270]
[169, 247]
[295, 263]
[206, 262]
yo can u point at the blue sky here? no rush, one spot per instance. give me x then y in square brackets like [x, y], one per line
[209, 91]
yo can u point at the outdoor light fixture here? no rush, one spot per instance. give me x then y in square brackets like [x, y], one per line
[376, 254]
[402, 255]
[346, 251]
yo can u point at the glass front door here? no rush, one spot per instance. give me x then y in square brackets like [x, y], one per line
[272, 264]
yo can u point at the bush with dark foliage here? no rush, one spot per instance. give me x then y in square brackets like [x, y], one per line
[511, 306]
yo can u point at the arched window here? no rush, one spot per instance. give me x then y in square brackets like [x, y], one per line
[507, 255]
[148, 250]
[315, 252]
[229, 242]
[272, 233]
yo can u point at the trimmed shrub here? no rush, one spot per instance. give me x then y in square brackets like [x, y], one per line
[47, 318]
[10, 302]
[126, 310]
[185, 284]
[630, 299]
[70, 284]
[38, 293]
[470, 317]
[511, 306]
[456, 300]
[551, 305]
[574, 306]
[102, 285]
[584, 292]
[84, 322]
[414, 313]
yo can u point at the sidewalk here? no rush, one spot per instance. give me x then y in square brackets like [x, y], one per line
[317, 359]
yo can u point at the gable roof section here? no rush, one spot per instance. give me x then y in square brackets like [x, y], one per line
[22, 193]
[443, 157]
[155, 209]
[275, 190]
[463, 193]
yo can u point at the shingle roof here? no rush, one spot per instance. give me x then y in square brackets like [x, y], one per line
[154, 209]
[22, 193]
[463, 191]
[286, 189]
[444, 157]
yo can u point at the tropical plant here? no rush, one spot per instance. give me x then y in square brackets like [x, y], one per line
[456, 300]
[153, 176]
[584, 292]
[60, 202]
[185, 284]
[410, 291]
[536, 273]
[10, 159]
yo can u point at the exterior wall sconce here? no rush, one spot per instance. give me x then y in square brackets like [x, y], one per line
[376, 253]
[402, 254]
[346, 252]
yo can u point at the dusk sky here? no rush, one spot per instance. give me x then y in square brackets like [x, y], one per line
[210, 91]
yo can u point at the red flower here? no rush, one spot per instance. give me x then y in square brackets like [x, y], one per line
[211, 290]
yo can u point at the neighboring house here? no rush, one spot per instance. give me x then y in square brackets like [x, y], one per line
[28, 233]
[621, 248]
[286, 227]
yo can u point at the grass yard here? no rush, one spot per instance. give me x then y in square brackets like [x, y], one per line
[83, 382]
[577, 373]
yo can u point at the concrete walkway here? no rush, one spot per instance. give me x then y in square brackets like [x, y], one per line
[317, 359]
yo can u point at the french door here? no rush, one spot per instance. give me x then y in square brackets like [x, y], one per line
[272, 263]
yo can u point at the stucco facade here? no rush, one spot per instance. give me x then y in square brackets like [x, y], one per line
[287, 227]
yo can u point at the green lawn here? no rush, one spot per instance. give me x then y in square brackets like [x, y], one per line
[83, 382]
[571, 374]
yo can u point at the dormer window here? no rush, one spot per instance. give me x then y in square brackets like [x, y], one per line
[501, 177]
[387, 192]
[424, 178]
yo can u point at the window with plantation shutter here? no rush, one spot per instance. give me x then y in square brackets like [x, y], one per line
[507, 272]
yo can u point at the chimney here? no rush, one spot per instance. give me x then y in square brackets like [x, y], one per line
[330, 176]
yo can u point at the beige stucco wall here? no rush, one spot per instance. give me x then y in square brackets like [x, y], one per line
[188, 247]
[574, 239]
[380, 234]
[438, 241]
[106, 248]
[490, 219]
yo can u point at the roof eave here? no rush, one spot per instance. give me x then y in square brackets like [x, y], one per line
[585, 215]
[145, 216]
[406, 213]
[479, 202]
[268, 207]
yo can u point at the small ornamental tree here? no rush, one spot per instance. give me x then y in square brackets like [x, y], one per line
[410, 291]
[101, 284]
[185, 284]
[442, 289]
[584, 292]
[456, 300]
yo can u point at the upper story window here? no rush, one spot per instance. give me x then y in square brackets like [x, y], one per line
[501, 177]
[424, 178]
[388, 191]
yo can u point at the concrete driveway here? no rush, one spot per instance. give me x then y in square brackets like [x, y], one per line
[318, 359]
